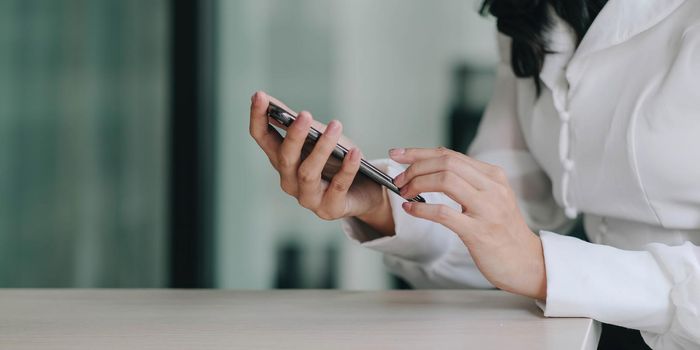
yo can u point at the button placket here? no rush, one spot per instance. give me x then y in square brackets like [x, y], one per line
[567, 163]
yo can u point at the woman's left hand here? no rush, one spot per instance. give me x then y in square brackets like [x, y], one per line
[490, 223]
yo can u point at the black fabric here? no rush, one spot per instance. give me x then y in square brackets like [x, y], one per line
[620, 338]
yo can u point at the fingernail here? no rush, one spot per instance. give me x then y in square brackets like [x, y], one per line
[396, 151]
[333, 126]
[403, 191]
[406, 206]
[398, 181]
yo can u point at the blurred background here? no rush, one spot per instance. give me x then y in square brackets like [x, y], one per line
[125, 159]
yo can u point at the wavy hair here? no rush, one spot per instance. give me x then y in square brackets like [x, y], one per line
[526, 22]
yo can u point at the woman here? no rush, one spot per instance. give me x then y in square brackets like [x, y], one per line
[595, 117]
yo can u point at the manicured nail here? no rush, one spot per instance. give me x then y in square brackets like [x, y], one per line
[398, 181]
[396, 151]
[406, 206]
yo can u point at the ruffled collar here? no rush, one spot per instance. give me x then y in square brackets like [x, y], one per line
[620, 20]
[617, 22]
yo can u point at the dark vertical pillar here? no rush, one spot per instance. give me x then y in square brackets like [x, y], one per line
[190, 263]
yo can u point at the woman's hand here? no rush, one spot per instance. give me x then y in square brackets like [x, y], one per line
[490, 224]
[302, 175]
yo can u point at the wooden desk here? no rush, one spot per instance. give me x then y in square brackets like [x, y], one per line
[223, 319]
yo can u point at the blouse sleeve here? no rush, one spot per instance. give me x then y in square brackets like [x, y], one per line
[427, 254]
[656, 290]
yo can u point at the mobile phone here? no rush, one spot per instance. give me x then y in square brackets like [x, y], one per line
[286, 118]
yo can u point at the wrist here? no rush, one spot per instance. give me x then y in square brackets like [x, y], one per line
[523, 268]
[536, 286]
[379, 216]
[539, 270]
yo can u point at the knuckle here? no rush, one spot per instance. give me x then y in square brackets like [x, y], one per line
[444, 150]
[446, 177]
[408, 173]
[443, 212]
[340, 186]
[305, 175]
[284, 161]
[448, 162]
[306, 178]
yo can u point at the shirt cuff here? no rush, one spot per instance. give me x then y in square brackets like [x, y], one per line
[608, 284]
[415, 239]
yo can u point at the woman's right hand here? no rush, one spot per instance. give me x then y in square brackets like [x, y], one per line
[344, 195]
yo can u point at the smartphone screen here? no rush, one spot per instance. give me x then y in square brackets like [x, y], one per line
[286, 118]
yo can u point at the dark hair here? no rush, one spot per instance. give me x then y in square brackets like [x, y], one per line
[527, 23]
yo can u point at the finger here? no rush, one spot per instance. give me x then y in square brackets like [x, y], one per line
[343, 140]
[290, 150]
[289, 155]
[317, 159]
[267, 138]
[334, 198]
[454, 164]
[309, 173]
[281, 104]
[442, 214]
[412, 155]
[446, 182]
[314, 123]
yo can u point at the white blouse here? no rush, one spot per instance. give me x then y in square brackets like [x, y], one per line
[615, 136]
